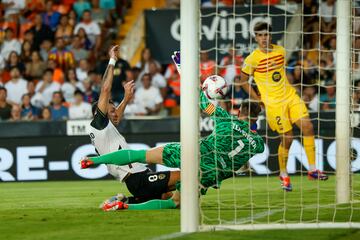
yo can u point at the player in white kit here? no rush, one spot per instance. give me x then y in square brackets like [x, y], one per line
[141, 182]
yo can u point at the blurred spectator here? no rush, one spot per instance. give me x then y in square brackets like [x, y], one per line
[82, 70]
[158, 79]
[58, 111]
[41, 32]
[212, 3]
[327, 13]
[29, 36]
[13, 8]
[328, 99]
[70, 85]
[63, 57]
[35, 68]
[299, 77]
[14, 61]
[81, 6]
[134, 109]
[84, 40]
[28, 112]
[91, 28]
[237, 95]
[58, 75]
[230, 66]
[5, 107]
[31, 88]
[10, 44]
[64, 29]
[45, 48]
[90, 95]
[172, 99]
[310, 23]
[45, 89]
[15, 113]
[46, 114]
[72, 18]
[99, 15]
[50, 17]
[26, 50]
[148, 96]
[324, 72]
[311, 98]
[173, 3]
[80, 109]
[95, 79]
[78, 51]
[146, 58]
[16, 87]
[207, 66]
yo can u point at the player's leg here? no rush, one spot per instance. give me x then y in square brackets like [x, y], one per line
[283, 154]
[126, 156]
[279, 121]
[155, 204]
[300, 116]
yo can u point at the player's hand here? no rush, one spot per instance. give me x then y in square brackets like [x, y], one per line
[176, 59]
[129, 91]
[114, 52]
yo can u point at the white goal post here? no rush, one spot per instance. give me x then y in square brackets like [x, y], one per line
[189, 122]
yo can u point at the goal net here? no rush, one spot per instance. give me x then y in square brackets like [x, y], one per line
[308, 30]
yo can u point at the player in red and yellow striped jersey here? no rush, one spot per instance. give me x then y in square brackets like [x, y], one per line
[282, 104]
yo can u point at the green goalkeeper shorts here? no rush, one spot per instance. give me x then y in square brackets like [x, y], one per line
[207, 173]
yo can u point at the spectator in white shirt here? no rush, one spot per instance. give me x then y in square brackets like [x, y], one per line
[10, 44]
[148, 96]
[13, 7]
[16, 87]
[158, 80]
[82, 70]
[45, 89]
[327, 12]
[80, 109]
[91, 28]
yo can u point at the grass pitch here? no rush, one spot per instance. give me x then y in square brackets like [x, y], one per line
[69, 210]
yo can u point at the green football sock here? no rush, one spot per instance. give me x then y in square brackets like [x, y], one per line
[121, 157]
[153, 205]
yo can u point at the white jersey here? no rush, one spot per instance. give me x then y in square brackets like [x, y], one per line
[106, 139]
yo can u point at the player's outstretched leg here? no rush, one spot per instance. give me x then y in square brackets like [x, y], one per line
[155, 204]
[121, 157]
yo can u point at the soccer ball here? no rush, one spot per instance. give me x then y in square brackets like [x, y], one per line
[215, 87]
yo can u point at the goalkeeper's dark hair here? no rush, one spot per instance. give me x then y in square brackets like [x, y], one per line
[261, 26]
[250, 108]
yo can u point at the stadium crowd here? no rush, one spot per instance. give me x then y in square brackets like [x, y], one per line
[53, 54]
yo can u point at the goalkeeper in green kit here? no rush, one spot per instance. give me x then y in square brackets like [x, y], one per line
[224, 151]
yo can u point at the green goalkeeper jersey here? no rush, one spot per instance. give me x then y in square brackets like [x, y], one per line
[224, 151]
[231, 143]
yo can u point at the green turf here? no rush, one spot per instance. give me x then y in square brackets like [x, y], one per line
[68, 210]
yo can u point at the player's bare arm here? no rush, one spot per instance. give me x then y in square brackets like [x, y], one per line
[129, 93]
[107, 80]
[244, 79]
